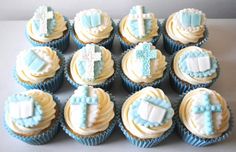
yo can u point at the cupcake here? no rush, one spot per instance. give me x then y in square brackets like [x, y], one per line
[93, 26]
[89, 115]
[139, 26]
[32, 116]
[91, 65]
[184, 28]
[193, 67]
[151, 71]
[204, 118]
[48, 28]
[146, 117]
[40, 68]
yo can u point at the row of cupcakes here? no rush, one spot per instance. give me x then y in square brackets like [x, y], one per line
[183, 28]
[146, 118]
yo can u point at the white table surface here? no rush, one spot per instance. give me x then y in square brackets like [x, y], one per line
[222, 42]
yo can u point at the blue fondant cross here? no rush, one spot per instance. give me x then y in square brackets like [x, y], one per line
[146, 54]
[84, 100]
[207, 108]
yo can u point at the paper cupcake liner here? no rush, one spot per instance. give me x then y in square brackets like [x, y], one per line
[131, 86]
[92, 140]
[105, 85]
[107, 43]
[45, 136]
[50, 84]
[125, 46]
[61, 44]
[196, 141]
[171, 46]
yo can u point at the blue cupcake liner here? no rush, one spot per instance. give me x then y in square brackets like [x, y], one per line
[131, 86]
[96, 139]
[107, 43]
[125, 46]
[196, 141]
[61, 44]
[171, 46]
[45, 136]
[50, 84]
[181, 86]
[105, 85]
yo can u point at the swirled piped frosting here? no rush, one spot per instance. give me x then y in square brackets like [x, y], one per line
[195, 65]
[92, 26]
[147, 113]
[29, 113]
[186, 26]
[91, 65]
[151, 61]
[204, 113]
[139, 26]
[89, 111]
[37, 64]
[46, 25]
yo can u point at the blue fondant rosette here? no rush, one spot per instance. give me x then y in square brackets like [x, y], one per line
[32, 116]
[48, 28]
[193, 67]
[40, 68]
[89, 115]
[151, 70]
[203, 118]
[146, 117]
[93, 26]
[91, 65]
[139, 26]
[184, 28]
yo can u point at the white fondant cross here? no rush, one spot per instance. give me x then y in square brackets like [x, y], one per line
[43, 15]
[198, 64]
[22, 109]
[90, 56]
[140, 17]
[151, 112]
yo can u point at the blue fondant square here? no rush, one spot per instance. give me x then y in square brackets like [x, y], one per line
[86, 21]
[95, 20]
[186, 19]
[195, 20]
[34, 62]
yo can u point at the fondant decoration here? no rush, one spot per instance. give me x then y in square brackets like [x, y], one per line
[191, 19]
[24, 110]
[34, 62]
[145, 53]
[150, 111]
[207, 109]
[90, 62]
[84, 107]
[137, 14]
[198, 64]
[91, 20]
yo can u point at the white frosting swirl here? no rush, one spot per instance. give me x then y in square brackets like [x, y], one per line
[48, 106]
[139, 130]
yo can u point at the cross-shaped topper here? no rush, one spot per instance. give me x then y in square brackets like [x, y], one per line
[207, 109]
[140, 16]
[43, 15]
[83, 100]
[145, 53]
[90, 56]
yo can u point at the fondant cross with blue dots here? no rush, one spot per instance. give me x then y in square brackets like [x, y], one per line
[207, 109]
[84, 100]
[145, 54]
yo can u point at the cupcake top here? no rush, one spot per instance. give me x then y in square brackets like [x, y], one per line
[147, 113]
[46, 25]
[89, 111]
[204, 112]
[91, 65]
[151, 61]
[186, 26]
[28, 113]
[195, 65]
[92, 25]
[139, 26]
[37, 64]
